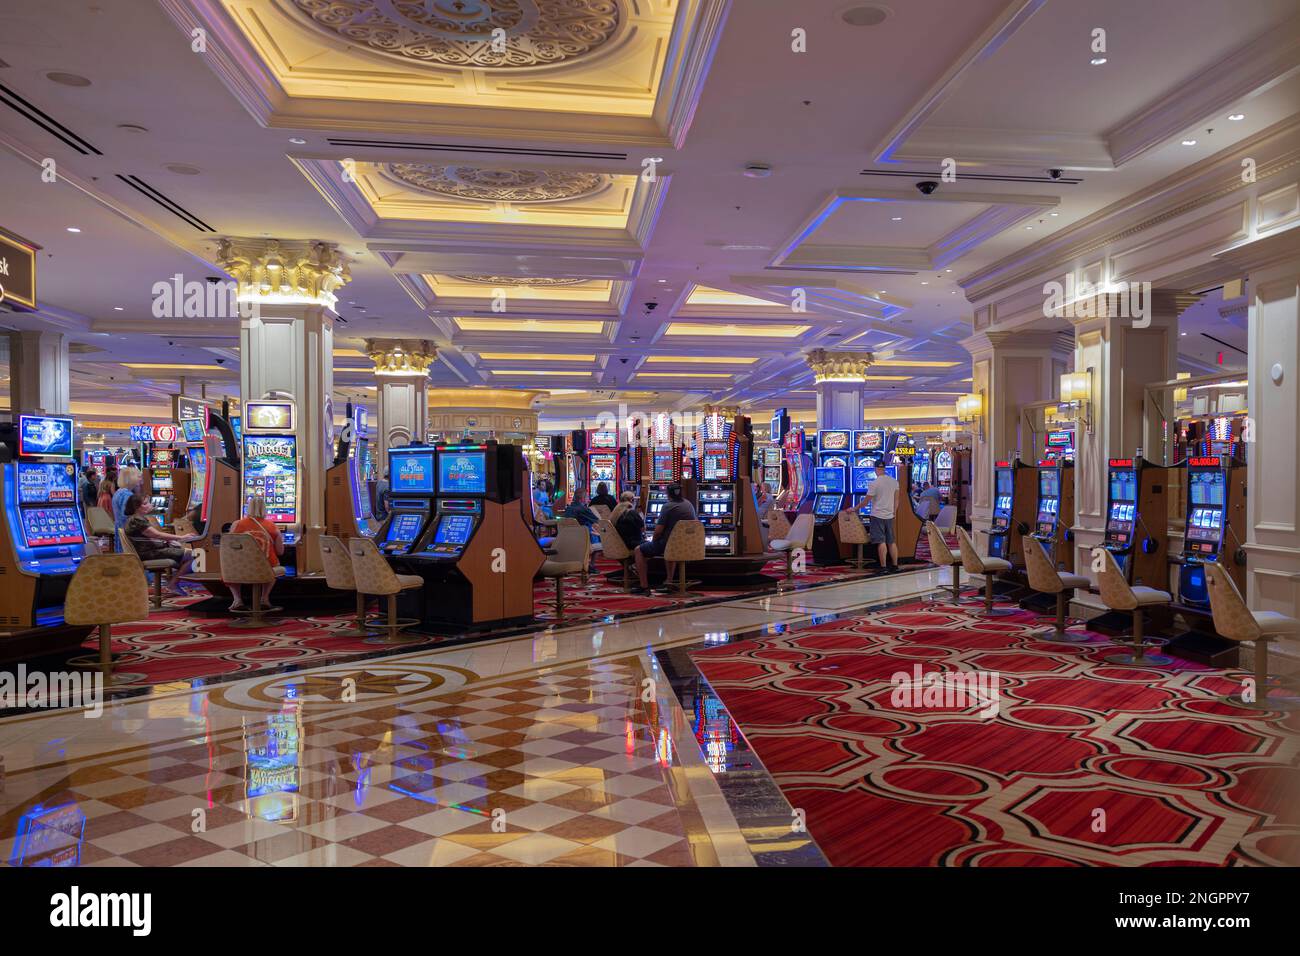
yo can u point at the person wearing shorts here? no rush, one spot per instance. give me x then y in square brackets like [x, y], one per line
[677, 509]
[884, 505]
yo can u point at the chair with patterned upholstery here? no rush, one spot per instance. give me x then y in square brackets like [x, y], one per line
[778, 526]
[798, 538]
[852, 531]
[1237, 622]
[243, 561]
[944, 557]
[155, 566]
[106, 589]
[1118, 595]
[568, 554]
[685, 544]
[975, 563]
[612, 547]
[374, 575]
[1046, 579]
[337, 564]
[100, 525]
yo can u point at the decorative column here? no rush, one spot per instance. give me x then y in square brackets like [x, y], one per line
[38, 373]
[839, 378]
[1119, 357]
[402, 383]
[1272, 267]
[286, 337]
[1009, 370]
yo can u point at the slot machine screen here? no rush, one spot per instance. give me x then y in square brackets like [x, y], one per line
[271, 472]
[462, 473]
[716, 464]
[603, 440]
[162, 479]
[411, 472]
[833, 440]
[829, 480]
[603, 468]
[1123, 485]
[193, 430]
[661, 467]
[48, 493]
[1207, 488]
[863, 478]
[1049, 483]
[454, 529]
[44, 437]
[198, 476]
[1003, 503]
[404, 528]
[826, 505]
[360, 497]
[772, 457]
[1005, 483]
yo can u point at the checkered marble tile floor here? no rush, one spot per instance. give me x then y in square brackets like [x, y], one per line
[563, 767]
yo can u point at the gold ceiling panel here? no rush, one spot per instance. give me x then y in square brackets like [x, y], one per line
[519, 289]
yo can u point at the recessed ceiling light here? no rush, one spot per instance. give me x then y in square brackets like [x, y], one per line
[67, 79]
[1097, 60]
[297, 141]
[1053, 213]
[896, 218]
[661, 281]
[947, 270]
[882, 292]
[118, 308]
[864, 15]
[924, 282]
[1182, 333]
[1030, 228]
[73, 229]
[1236, 116]
[1189, 142]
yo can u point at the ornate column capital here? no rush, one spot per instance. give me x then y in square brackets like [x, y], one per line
[828, 366]
[402, 357]
[283, 270]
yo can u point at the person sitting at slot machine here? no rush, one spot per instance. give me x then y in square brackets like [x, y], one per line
[580, 512]
[267, 533]
[107, 491]
[152, 543]
[677, 509]
[929, 502]
[603, 497]
[625, 500]
[542, 502]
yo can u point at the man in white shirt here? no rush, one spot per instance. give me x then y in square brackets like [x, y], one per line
[884, 505]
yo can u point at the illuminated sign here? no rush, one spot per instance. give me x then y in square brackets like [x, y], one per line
[268, 416]
[1211, 462]
[17, 272]
[156, 433]
[1121, 462]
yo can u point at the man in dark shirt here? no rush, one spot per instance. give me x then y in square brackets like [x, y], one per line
[603, 497]
[677, 509]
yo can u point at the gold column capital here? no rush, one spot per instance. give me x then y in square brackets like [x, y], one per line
[284, 270]
[402, 357]
[829, 366]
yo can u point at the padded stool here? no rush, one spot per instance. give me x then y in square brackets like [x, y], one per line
[686, 543]
[852, 531]
[106, 589]
[1237, 622]
[943, 556]
[374, 575]
[337, 564]
[1046, 579]
[1118, 595]
[154, 566]
[800, 535]
[244, 562]
[975, 563]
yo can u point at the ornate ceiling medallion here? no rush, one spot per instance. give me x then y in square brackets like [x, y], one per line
[515, 186]
[533, 281]
[476, 34]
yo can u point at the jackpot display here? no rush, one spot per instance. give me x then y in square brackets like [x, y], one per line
[271, 472]
[47, 501]
[44, 437]
[462, 473]
[715, 461]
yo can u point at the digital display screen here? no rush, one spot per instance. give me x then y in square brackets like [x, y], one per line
[1003, 503]
[46, 483]
[833, 440]
[360, 496]
[160, 479]
[772, 456]
[271, 472]
[1049, 483]
[45, 527]
[193, 430]
[1004, 481]
[268, 416]
[863, 479]
[404, 528]
[1207, 487]
[869, 440]
[410, 472]
[602, 468]
[198, 475]
[463, 473]
[454, 529]
[603, 440]
[1205, 524]
[829, 479]
[1061, 439]
[661, 464]
[826, 505]
[1123, 485]
[44, 437]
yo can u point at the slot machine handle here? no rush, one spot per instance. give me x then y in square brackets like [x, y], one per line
[1239, 552]
[1148, 541]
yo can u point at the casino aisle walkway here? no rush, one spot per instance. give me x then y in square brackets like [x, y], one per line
[560, 748]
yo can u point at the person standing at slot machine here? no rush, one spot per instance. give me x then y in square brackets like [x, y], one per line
[884, 496]
[267, 534]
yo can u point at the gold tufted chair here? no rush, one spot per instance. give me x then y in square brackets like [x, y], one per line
[778, 525]
[1118, 595]
[943, 556]
[686, 543]
[106, 589]
[798, 537]
[852, 531]
[612, 547]
[374, 575]
[337, 564]
[243, 561]
[156, 566]
[975, 563]
[1237, 622]
[1045, 579]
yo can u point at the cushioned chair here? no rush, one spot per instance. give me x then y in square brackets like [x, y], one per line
[852, 531]
[374, 575]
[337, 564]
[612, 547]
[570, 537]
[106, 589]
[1046, 579]
[243, 561]
[944, 557]
[100, 524]
[570, 552]
[946, 520]
[778, 527]
[685, 544]
[975, 563]
[154, 566]
[1237, 622]
[602, 512]
[798, 537]
[1118, 595]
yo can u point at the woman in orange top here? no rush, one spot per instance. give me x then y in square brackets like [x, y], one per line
[255, 523]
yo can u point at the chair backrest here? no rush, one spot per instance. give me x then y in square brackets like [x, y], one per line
[243, 560]
[1232, 618]
[801, 532]
[778, 525]
[619, 509]
[611, 544]
[107, 589]
[337, 564]
[572, 542]
[99, 521]
[970, 558]
[851, 528]
[371, 572]
[1043, 576]
[940, 553]
[947, 519]
[602, 511]
[1115, 592]
[125, 545]
[686, 542]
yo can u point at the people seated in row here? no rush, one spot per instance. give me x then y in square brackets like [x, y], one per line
[255, 524]
[677, 509]
[152, 543]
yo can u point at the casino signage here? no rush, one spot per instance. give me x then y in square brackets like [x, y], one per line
[17, 272]
[156, 433]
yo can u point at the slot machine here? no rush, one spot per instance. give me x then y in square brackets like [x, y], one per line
[602, 461]
[44, 539]
[270, 466]
[458, 524]
[794, 487]
[943, 475]
[160, 480]
[830, 473]
[719, 486]
[665, 468]
[101, 461]
[1216, 516]
[1137, 520]
[219, 493]
[1055, 510]
[190, 485]
[1014, 496]
[920, 469]
[348, 512]
[771, 468]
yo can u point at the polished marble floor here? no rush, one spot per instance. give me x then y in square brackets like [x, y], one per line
[565, 747]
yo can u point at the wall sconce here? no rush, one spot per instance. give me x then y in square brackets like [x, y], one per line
[1076, 392]
[970, 408]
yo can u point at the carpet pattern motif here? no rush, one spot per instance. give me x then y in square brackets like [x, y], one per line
[1084, 764]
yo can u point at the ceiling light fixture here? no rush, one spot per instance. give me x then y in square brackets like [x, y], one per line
[1097, 60]
[1189, 142]
[1053, 213]
[1236, 116]
[73, 229]
[896, 218]
[297, 141]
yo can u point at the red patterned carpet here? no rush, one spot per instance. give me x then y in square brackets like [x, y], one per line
[175, 646]
[1084, 763]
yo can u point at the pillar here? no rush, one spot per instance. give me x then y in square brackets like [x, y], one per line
[401, 391]
[839, 378]
[1272, 268]
[1125, 356]
[286, 338]
[1009, 370]
[38, 373]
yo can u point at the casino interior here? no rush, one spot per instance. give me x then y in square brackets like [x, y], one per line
[647, 433]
